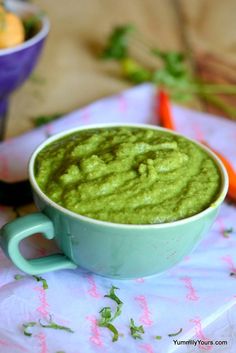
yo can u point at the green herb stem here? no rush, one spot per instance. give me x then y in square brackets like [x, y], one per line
[55, 326]
[176, 333]
[114, 331]
[218, 102]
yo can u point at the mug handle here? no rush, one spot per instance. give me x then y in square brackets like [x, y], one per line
[13, 232]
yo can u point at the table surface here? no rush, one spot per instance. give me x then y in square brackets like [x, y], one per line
[69, 74]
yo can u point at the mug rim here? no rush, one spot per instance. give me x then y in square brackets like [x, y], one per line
[220, 198]
[42, 33]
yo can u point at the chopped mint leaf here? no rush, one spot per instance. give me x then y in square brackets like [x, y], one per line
[158, 337]
[105, 321]
[41, 279]
[17, 277]
[26, 326]
[136, 331]
[227, 231]
[106, 316]
[112, 295]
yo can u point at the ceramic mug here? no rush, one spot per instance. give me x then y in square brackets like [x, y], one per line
[109, 249]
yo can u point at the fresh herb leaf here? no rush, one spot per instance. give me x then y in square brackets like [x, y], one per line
[55, 326]
[176, 333]
[158, 337]
[45, 119]
[32, 25]
[17, 277]
[173, 62]
[136, 331]
[173, 75]
[106, 319]
[106, 316]
[112, 295]
[26, 326]
[117, 46]
[227, 231]
[41, 279]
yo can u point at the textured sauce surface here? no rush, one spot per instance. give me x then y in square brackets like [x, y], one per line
[128, 175]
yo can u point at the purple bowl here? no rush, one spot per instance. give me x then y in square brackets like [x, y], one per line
[17, 63]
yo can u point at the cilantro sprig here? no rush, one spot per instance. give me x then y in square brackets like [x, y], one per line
[172, 72]
[117, 45]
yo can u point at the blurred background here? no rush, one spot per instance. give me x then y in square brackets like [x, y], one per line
[70, 73]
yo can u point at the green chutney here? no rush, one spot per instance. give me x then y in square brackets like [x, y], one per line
[129, 175]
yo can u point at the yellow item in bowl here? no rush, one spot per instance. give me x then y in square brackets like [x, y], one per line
[11, 29]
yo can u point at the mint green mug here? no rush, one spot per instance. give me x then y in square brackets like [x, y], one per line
[114, 250]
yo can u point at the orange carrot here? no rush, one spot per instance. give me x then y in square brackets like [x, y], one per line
[164, 112]
[231, 173]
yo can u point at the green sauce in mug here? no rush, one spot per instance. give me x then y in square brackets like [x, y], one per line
[128, 175]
